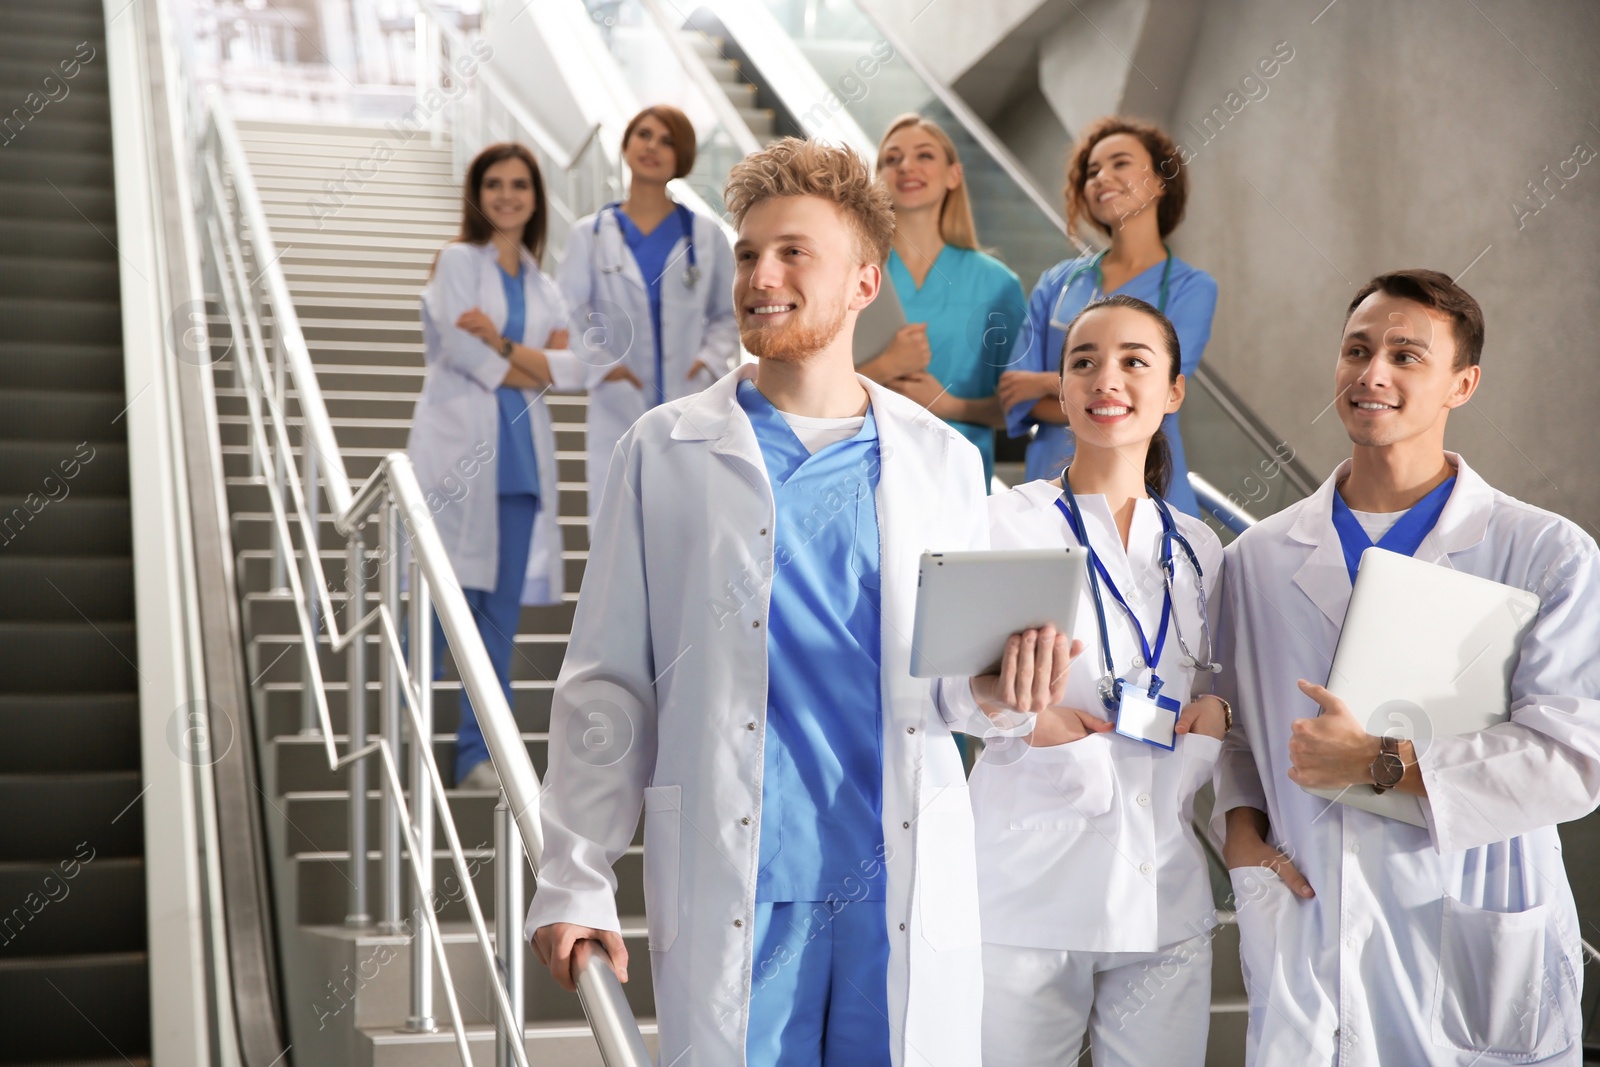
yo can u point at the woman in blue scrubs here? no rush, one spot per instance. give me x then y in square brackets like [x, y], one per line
[965, 308]
[1128, 180]
[494, 338]
[650, 284]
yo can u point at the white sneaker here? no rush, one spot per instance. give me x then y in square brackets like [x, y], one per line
[482, 776]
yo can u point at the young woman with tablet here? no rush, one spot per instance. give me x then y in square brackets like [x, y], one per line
[1093, 889]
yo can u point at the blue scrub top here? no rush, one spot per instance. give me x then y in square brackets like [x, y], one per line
[517, 465]
[650, 251]
[822, 785]
[974, 309]
[1191, 302]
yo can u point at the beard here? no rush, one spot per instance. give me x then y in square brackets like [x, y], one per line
[795, 342]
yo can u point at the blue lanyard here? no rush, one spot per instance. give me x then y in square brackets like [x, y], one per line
[1404, 537]
[1069, 508]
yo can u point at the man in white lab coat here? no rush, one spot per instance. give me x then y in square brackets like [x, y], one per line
[1367, 940]
[740, 668]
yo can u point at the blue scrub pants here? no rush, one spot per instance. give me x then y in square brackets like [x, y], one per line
[819, 994]
[498, 613]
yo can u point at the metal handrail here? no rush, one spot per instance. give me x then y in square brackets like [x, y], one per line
[236, 224]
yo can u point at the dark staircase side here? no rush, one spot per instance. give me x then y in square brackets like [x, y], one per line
[74, 983]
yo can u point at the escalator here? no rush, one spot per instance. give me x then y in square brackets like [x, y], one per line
[74, 967]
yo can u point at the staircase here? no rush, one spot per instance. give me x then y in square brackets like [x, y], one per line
[356, 266]
[74, 977]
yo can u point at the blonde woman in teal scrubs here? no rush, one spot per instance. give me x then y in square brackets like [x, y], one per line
[965, 308]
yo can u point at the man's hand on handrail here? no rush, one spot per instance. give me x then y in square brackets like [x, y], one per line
[555, 944]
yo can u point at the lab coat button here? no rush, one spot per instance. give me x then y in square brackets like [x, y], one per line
[1355, 849]
[905, 826]
[1144, 800]
[763, 531]
[749, 726]
[738, 922]
[755, 623]
[1145, 868]
[745, 821]
[911, 729]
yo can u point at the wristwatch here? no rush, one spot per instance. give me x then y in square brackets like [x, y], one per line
[1388, 768]
[505, 348]
[1227, 712]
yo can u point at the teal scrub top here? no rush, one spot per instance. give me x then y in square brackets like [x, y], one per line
[975, 310]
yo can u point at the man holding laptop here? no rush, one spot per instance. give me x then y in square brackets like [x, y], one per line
[1366, 939]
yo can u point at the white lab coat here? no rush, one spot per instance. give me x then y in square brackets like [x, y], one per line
[1089, 846]
[455, 432]
[662, 703]
[611, 326]
[1453, 944]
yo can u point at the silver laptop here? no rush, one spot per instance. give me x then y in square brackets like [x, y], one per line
[878, 322]
[1425, 652]
[969, 603]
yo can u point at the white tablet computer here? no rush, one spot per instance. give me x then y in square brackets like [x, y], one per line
[1426, 651]
[878, 322]
[969, 603]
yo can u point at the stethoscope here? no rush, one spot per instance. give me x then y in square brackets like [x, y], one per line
[691, 273]
[1060, 322]
[1109, 685]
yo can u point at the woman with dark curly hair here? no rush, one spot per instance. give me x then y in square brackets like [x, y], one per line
[1126, 179]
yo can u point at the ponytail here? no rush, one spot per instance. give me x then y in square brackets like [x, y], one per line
[1158, 464]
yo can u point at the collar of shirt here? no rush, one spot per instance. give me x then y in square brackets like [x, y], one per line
[784, 452]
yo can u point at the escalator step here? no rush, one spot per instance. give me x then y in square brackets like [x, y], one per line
[47, 275]
[74, 320]
[79, 903]
[68, 238]
[98, 469]
[97, 812]
[60, 415]
[77, 1007]
[51, 365]
[67, 657]
[57, 733]
[65, 589]
[30, 200]
[76, 526]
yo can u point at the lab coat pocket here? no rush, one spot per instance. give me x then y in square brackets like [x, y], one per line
[663, 818]
[1503, 987]
[1259, 899]
[1063, 788]
[947, 870]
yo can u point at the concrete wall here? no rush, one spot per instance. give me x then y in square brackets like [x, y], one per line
[1400, 133]
[1403, 134]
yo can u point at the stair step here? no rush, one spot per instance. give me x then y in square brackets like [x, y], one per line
[530, 706]
[323, 886]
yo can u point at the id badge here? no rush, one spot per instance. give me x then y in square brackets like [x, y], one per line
[1153, 720]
